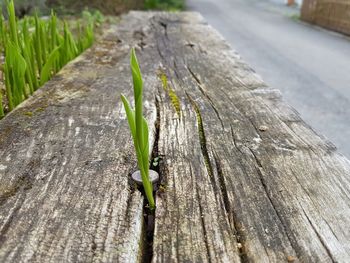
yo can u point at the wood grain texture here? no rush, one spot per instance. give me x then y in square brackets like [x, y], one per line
[243, 178]
[64, 192]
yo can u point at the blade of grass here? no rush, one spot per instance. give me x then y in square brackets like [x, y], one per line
[53, 31]
[139, 128]
[12, 22]
[8, 87]
[49, 66]
[16, 67]
[37, 44]
[142, 163]
[27, 56]
[43, 40]
[2, 30]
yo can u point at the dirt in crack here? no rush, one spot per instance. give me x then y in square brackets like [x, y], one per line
[148, 233]
[149, 214]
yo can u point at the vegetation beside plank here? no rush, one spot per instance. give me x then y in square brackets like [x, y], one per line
[169, 5]
[34, 49]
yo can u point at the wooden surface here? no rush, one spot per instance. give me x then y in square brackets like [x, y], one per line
[243, 178]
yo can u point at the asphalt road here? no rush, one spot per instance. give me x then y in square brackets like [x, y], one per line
[310, 66]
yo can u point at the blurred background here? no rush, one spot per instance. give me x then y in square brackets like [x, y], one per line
[300, 47]
[107, 7]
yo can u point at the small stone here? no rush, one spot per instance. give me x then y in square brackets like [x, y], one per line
[263, 128]
[291, 259]
[239, 245]
[153, 177]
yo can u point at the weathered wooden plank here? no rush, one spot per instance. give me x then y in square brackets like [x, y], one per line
[256, 181]
[243, 177]
[65, 156]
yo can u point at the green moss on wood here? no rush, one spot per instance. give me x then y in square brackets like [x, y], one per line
[171, 93]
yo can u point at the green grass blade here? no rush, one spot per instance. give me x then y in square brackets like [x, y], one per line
[26, 52]
[145, 149]
[43, 40]
[2, 30]
[37, 43]
[15, 75]
[49, 66]
[130, 114]
[137, 81]
[141, 140]
[8, 87]
[53, 31]
[33, 64]
[12, 22]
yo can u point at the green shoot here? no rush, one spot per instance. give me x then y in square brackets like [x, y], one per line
[2, 30]
[139, 128]
[46, 71]
[12, 23]
[15, 68]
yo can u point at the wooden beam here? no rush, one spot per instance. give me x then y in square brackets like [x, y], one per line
[243, 178]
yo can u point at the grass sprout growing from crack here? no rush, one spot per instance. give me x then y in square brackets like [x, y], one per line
[139, 128]
[34, 50]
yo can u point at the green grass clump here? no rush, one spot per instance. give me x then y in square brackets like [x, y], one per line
[168, 5]
[36, 49]
[139, 128]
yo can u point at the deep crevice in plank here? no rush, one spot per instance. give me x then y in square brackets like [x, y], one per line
[223, 190]
[148, 231]
[148, 214]
[203, 225]
[222, 184]
[203, 143]
[233, 220]
[208, 166]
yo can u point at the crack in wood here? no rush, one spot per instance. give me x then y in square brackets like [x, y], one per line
[319, 236]
[164, 24]
[148, 214]
[230, 214]
[203, 142]
[222, 185]
[235, 141]
[202, 221]
[201, 88]
[259, 171]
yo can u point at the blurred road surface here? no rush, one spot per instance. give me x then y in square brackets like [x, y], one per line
[311, 66]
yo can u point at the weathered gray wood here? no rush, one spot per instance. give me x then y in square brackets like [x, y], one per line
[65, 158]
[243, 177]
[264, 186]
